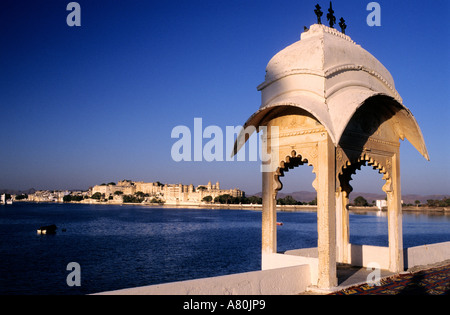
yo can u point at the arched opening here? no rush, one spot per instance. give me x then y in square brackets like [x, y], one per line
[299, 228]
[371, 138]
[368, 183]
[367, 226]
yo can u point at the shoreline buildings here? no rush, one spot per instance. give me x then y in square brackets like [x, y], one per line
[167, 193]
[48, 196]
[171, 194]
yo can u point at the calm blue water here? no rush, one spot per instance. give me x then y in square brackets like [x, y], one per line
[127, 246]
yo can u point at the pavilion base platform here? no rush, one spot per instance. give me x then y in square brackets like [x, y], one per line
[362, 262]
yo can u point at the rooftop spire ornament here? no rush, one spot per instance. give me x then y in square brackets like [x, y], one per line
[342, 25]
[319, 13]
[330, 16]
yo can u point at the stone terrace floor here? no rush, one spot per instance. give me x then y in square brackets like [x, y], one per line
[431, 280]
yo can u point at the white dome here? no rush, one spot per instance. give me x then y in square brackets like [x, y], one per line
[326, 52]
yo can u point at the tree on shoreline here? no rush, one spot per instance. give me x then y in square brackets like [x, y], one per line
[22, 197]
[360, 201]
[132, 199]
[69, 198]
[207, 199]
[445, 202]
[228, 199]
[288, 200]
[97, 196]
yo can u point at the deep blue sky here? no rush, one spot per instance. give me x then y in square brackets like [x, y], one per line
[97, 103]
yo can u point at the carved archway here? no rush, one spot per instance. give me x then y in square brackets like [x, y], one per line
[346, 168]
[290, 161]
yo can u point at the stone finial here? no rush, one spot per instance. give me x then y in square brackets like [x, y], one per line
[330, 16]
[342, 25]
[319, 13]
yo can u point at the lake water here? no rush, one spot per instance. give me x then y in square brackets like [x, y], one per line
[127, 246]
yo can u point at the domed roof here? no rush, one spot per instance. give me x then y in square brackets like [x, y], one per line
[325, 51]
[327, 74]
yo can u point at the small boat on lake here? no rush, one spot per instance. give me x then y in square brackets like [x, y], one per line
[50, 229]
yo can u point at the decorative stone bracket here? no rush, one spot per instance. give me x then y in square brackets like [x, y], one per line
[349, 161]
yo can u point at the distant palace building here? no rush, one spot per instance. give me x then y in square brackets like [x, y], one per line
[168, 193]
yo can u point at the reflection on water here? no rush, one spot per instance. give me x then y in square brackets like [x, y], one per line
[127, 246]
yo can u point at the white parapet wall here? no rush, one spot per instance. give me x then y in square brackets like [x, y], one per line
[427, 254]
[363, 255]
[289, 273]
[281, 281]
[306, 256]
